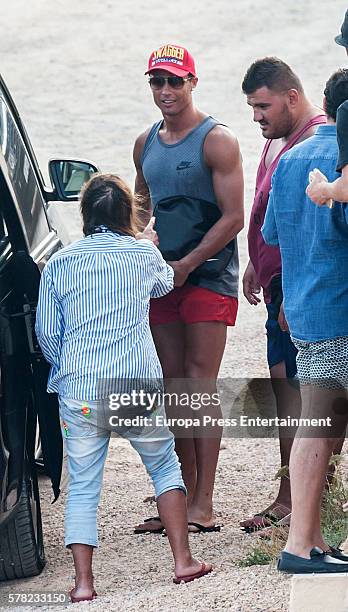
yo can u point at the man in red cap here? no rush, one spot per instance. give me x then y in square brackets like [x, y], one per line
[190, 155]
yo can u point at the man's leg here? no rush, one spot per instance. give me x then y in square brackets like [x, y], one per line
[205, 344]
[200, 348]
[169, 339]
[170, 345]
[288, 401]
[308, 466]
[281, 356]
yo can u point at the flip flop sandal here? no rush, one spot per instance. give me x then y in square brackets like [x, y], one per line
[202, 572]
[202, 529]
[267, 532]
[148, 520]
[272, 518]
[74, 599]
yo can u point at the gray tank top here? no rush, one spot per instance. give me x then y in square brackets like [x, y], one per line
[180, 169]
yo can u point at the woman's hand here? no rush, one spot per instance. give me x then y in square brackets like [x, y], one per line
[149, 233]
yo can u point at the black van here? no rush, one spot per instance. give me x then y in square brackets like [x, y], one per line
[34, 223]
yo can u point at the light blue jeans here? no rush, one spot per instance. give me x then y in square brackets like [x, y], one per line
[86, 446]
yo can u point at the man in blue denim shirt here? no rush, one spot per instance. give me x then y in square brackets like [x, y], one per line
[314, 248]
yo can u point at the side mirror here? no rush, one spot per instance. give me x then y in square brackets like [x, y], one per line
[68, 176]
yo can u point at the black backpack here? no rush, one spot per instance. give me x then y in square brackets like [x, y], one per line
[181, 224]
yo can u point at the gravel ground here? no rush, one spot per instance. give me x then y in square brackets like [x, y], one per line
[76, 72]
[135, 572]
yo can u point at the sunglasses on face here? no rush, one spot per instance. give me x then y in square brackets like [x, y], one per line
[176, 82]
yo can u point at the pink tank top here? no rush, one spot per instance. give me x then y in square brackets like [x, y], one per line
[266, 259]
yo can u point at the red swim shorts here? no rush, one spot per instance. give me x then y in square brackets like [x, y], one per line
[191, 304]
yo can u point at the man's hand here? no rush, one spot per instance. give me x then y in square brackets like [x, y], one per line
[250, 285]
[317, 189]
[283, 324]
[149, 233]
[181, 272]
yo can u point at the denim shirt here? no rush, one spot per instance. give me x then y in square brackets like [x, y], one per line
[313, 241]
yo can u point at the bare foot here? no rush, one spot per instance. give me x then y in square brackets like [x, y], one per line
[195, 516]
[151, 525]
[191, 567]
[265, 518]
[82, 592]
[154, 525]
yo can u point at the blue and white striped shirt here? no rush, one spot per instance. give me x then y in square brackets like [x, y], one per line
[92, 318]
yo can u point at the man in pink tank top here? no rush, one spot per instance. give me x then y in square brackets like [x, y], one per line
[286, 117]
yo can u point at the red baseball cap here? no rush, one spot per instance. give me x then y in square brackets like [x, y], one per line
[172, 58]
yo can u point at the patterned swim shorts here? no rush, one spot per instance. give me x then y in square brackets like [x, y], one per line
[323, 363]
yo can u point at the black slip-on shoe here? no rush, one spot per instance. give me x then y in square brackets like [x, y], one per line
[319, 563]
[338, 553]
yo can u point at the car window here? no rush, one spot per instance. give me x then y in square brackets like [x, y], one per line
[22, 174]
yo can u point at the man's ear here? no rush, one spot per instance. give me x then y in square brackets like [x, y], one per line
[293, 97]
[194, 82]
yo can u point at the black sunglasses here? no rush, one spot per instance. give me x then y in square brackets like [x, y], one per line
[176, 82]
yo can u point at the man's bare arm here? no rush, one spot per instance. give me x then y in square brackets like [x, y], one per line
[141, 188]
[222, 155]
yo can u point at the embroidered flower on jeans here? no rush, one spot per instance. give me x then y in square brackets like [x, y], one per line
[86, 411]
[65, 427]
